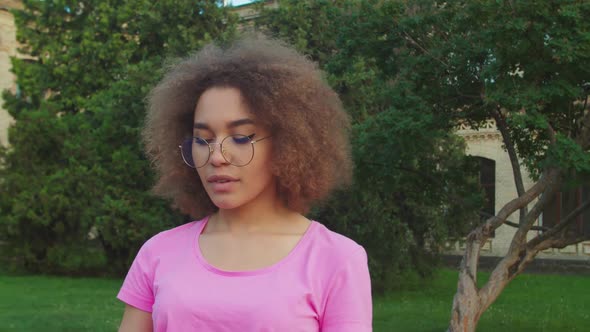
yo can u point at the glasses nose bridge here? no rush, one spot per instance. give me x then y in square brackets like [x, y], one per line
[212, 148]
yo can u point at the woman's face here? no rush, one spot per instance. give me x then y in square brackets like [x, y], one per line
[221, 112]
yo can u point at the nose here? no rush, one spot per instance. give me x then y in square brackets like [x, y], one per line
[217, 158]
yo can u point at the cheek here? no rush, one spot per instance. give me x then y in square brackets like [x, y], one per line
[264, 164]
[201, 175]
[259, 172]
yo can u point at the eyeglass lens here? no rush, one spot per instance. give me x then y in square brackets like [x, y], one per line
[237, 150]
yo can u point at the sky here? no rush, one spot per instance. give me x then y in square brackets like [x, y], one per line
[240, 2]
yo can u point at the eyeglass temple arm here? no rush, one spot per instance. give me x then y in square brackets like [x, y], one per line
[260, 139]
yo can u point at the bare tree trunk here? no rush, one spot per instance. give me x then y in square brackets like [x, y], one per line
[470, 302]
[466, 303]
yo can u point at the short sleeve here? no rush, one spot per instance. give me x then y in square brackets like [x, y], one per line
[137, 290]
[348, 305]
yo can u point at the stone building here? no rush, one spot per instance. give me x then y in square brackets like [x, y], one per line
[497, 181]
[8, 47]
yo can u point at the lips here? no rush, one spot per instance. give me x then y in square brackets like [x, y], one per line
[221, 183]
[221, 179]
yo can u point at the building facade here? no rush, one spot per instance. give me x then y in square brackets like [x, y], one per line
[8, 48]
[497, 180]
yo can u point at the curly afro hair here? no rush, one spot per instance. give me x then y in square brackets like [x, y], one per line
[284, 90]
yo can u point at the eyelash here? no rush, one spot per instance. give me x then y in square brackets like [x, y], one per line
[251, 137]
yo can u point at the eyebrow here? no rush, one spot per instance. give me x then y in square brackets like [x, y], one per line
[233, 124]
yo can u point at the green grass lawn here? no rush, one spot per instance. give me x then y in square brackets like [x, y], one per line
[39, 303]
[530, 303]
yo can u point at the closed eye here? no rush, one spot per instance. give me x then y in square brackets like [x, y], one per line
[202, 141]
[239, 139]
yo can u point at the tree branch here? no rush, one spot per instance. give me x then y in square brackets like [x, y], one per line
[408, 37]
[513, 224]
[508, 268]
[561, 226]
[551, 133]
[549, 177]
[533, 228]
[520, 236]
[583, 139]
[518, 257]
[561, 242]
[503, 128]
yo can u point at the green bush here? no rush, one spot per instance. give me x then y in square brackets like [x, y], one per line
[413, 186]
[74, 188]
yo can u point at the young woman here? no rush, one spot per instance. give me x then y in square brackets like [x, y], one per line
[245, 138]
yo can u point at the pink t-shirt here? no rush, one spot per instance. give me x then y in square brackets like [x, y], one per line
[322, 285]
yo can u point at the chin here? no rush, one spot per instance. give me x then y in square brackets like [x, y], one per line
[225, 204]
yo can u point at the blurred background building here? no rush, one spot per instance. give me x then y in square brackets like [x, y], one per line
[497, 181]
[8, 48]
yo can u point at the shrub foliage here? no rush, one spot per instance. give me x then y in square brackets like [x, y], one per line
[74, 190]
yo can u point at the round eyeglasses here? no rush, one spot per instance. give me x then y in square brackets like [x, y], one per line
[237, 150]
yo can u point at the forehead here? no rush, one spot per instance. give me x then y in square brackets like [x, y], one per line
[220, 105]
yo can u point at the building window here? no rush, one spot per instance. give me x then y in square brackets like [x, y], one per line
[563, 203]
[487, 181]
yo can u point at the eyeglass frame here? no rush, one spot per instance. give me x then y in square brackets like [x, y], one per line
[211, 149]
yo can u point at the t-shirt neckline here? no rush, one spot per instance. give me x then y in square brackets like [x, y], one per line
[301, 243]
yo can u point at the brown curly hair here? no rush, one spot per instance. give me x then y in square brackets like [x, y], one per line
[284, 90]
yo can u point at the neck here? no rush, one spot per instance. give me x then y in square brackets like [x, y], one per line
[266, 213]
